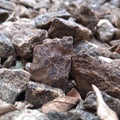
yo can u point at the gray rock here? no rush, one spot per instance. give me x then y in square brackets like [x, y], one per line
[44, 21]
[91, 103]
[25, 41]
[12, 83]
[6, 46]
[105, 30]
[61, 27]
[38, 94]
[52, 61]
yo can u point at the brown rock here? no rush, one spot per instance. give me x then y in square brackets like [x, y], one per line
[51, 62]
[38, 94]
[61, 27]
[25, 41]
[84, 15]
[12, 83]
[100, 71]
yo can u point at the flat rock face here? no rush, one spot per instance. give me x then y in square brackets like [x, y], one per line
[61, 27]
[38, 94]
[52, 61]
[44, 20]
[12, 83]
[88, 70]
[25, 40]
[6, 46]
[91, 103]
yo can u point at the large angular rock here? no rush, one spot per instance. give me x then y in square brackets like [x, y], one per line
[91, 103]
[12, 83]
[51, 62]
[25, 41]
[105, 30]
[38, 94]
[44, 21]
[101, 71]
[6, 46]
[61, 27]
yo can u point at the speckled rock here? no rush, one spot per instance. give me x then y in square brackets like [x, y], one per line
[44, 21]
[6, 46]
[12, 83]
[61, 27]
[51, 62]
[38, 94]
[25, 41]
[90, 102]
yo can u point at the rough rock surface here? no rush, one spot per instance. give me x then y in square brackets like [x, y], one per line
[25, 41]
[61, 27]
[12, 83]
[52, 61]
[44, 20]
[102, 72]
[38, 94]
[90, 102]
[6, 46]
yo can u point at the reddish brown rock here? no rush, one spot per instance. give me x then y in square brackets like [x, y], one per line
[25, 40]
[52, 61]
[104, 73]
[61, 27]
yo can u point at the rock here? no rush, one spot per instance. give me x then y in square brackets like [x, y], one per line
[91, 103]
[12, 83]
[6, 46]
[28, 3]
[12, 28]
[44, 20]
[24, 115]
[36, 115]
[38, 94]
[3, 15]
[25, 41]
[100, 71]
[51, 62]
[84, 15]
[61, 27]
[7, 5]
[105, 30]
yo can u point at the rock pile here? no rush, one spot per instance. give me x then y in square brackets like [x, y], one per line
[51, 54]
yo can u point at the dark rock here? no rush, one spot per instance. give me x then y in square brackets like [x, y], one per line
[84, 15]
[51, 62]
[44, 21]
[105, 30]
[6, 46]
[90, 102]
[25, 41]
[102, 72]
[38, 94]
[3, 15]
[12, 83]
[61, 27]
